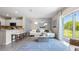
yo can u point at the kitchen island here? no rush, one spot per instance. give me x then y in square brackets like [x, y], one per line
[5, 36]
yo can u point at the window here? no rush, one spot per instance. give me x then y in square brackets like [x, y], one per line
[71, 26]
[77, 25]
[68, 26]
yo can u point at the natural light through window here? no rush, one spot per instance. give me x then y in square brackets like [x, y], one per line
[71, 26]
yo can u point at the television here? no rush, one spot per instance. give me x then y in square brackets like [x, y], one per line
[12, 24]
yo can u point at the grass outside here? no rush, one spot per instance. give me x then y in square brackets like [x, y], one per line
[68, 33]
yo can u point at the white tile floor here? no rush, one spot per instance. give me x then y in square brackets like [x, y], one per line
[13, 46]
[27, 43]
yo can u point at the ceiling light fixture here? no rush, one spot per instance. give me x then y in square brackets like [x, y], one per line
[7, 14]
[36, 23]
[45, 24]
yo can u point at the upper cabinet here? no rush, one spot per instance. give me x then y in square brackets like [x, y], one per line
[19, 18]
[6, 21]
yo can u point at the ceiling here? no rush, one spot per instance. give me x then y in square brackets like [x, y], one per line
[34, 12]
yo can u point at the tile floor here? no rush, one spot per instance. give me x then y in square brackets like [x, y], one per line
[28, 45]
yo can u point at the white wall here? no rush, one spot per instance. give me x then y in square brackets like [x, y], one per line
[2, 20]
[55, 22]
[29, 23]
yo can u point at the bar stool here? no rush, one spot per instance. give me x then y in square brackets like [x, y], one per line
[21, 36]
[17, 37]
[13, 37]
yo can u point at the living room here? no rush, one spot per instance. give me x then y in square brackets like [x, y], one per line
[34, 29]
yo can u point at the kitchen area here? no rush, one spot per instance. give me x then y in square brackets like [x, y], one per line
[10, 28]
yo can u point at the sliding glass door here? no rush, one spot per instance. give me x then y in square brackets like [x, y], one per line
[68, 26]
[71, 26]
[77, 25]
